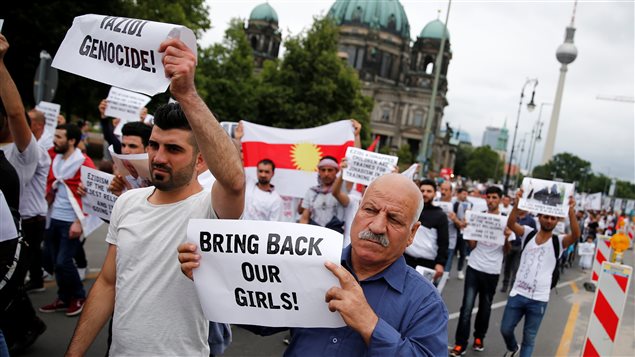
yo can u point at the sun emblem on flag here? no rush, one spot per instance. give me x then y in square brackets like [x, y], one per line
[305, 156]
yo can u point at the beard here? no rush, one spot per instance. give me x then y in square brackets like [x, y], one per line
[377, 238]
[263, 181]
[171, 180]
[60, 149]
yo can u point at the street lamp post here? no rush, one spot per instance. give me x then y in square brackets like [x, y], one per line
[530, 107]
[535, 136]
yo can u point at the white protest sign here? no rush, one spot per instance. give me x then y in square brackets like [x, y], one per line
[51, 111]
[478, 204]
[365, 166]
[485, 227]
[265, 273]
[447, 207]
[125, 104]
[546, 197]
[98, 200]
[411, 172]
[593, 201]
[586, 248]
[1, 24]
[120, 51]
[630, 205]
[617, 206]
[133, 167]
[429, 275]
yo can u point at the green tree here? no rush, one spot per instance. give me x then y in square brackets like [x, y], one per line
[460, 162]
[311, 86]
[483, 164]
[225, 76]
[564, 166]
[405, 157]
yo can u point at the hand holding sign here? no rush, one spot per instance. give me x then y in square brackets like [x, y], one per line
[350, 302]
[180, 65]
[188, 258]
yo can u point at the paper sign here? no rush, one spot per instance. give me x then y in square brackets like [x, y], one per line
[365, 166]
[485, 227]
[630, 205]
[447, 207]
[1, 24]
[429, 275]
[51, 112]
[125, 104]
[120, 51]
[593, 201]
[98, 200]
[617, 206]
[478, 204]
[265, 273]
[546, 197]
[586, 249]
[133, 167]
[411, 172]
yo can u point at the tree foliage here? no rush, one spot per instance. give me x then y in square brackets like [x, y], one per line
[483, 164]
[463, 153]
[311, 86]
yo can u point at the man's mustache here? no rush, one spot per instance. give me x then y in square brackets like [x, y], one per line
[377, 238]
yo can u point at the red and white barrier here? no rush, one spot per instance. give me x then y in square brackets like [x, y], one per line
[603, 252]
[608, 307]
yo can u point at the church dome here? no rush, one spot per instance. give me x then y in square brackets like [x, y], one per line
[386, 15]
[264, 12]
[434, 29]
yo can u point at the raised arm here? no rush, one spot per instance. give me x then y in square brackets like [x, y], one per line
[107, 128]
[340, 196]
[513, 217]
[13, 103]
[575, 227]
[98, 309]
[217, 148]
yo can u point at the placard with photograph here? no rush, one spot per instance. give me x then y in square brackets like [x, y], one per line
[546, 197]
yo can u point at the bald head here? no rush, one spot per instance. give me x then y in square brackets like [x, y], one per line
[399, 186]
[38, 122]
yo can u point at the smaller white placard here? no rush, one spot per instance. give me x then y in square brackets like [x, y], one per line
[133, 167]
[365, 166]
[125, 104]
[447, 207]
[586, 249]
[593, 201]
[51, 112]
[546, 197]
[485, 227]
[98, 200]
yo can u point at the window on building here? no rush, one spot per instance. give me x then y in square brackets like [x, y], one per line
[417, 119]
[254, 43]
[385, 115]
[357, 14]
[386, 64]
[359, 60]
[429, 67]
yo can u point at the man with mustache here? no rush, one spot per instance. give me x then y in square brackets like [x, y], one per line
[530, 294]
[140, 283]
[389, 308]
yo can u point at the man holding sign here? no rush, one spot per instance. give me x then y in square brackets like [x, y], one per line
[140, 281]
[389, 308]
[488, 237]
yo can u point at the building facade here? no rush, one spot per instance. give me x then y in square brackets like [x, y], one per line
[397, 72]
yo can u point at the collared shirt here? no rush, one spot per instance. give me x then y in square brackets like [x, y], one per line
[412, 319]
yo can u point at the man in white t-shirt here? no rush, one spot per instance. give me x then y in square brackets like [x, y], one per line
[530, 294]
[481, 279]
[156, 308]
[262, 203]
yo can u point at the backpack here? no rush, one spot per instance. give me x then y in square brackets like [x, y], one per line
[555, 275]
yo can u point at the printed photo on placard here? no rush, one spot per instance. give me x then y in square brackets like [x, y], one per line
[546, 197]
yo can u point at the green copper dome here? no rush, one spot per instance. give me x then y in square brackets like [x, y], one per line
[434, 29]
[387, 15]
[264, 12]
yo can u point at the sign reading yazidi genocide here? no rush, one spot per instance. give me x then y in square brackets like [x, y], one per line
[125, 104]
[120, 51]
[365, 166]
[265, 273]
[485, 227]
[98, 200]
[546, 197]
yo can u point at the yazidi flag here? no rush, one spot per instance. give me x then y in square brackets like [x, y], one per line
[295, 152]
[120, 51]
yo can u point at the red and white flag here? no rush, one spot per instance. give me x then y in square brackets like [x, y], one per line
[295, 152]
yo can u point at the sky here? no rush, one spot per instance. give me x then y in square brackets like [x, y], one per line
[497, 46]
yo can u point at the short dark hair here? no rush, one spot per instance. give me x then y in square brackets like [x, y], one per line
[267, 162]
[171, 116]
[72, 132]
[429, 182]
[494, 190]
[137, 128]
[461, 190]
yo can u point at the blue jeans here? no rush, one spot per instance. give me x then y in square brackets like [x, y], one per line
[4, 350]
[63, 249]
[448, 263]
[483, 285]
[533, 310]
